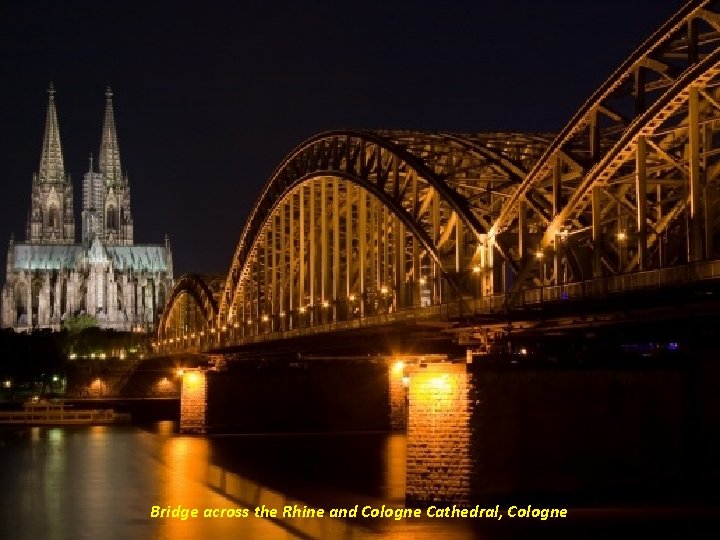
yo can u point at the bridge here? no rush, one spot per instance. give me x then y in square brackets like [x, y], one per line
[358, 228]
[362, 230]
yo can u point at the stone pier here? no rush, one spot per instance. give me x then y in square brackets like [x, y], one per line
[438, 434]
[193, 401]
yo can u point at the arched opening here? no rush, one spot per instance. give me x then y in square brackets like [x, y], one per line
[111, 218]
[53, 217]
[21, 304]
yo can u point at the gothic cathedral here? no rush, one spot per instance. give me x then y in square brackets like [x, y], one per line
[51, 278]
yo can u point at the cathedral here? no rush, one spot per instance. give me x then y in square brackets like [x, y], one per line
[51, 278]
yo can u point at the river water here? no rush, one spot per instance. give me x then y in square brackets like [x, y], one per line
[101, 482]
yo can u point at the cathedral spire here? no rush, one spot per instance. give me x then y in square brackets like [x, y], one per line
[52, 168]
[109, 161]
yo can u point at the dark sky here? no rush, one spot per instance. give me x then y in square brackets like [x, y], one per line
[210, 95]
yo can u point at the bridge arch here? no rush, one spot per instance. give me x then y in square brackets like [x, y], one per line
[629, 184]
[190, 311]
[354, 223]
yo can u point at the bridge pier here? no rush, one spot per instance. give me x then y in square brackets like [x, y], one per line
[490, 431]
[438, 434]
[193, 401]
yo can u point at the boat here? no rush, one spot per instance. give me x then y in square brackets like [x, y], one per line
[41, 412]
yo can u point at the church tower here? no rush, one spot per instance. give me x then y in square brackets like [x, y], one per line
[51, 219]
[106, 194]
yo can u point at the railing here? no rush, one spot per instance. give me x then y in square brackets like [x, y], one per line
[486, 305]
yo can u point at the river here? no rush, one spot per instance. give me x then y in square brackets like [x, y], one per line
[101, 482]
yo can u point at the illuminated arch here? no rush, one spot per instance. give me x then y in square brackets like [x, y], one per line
[191, 307]
[426, 200]
[626, 167]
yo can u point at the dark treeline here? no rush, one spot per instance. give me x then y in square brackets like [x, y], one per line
[30, 357]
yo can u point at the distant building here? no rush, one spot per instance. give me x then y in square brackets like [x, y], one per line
[50, 277]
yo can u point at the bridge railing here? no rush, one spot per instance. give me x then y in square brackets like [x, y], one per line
[489, 304]
[600, 287]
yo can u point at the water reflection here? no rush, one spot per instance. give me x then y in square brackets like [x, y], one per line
[101, 482]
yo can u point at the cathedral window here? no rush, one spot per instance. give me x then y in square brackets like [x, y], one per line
[112, 218]
[53, 218]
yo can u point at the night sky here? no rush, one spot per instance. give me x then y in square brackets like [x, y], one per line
[210, 96]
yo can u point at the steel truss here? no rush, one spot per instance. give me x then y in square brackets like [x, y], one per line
[356, 223]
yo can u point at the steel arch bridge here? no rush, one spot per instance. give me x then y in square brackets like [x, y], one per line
[358, 226]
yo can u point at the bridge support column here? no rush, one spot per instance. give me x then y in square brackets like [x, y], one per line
[438, 437]
[193, 402]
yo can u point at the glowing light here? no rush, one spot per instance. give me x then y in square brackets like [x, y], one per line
[351, 297]
[202, 333]
[282, 314]
[406, 381]
[302, 309]
[236, 325]
[73, 356]
[476, 269]
[399, 366]
[384, 289]
[180, 372]
[441, 383]
[265, 318]
[224, 328]
[212, 330]
[523, 351]
[326, 304]
[539, 255]
[422, 280]
[621, 236]
[55, 378]
[7, 383]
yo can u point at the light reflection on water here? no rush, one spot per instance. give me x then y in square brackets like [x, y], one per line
[101, 482]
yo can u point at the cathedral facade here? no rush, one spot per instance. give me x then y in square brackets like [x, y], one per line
[51, 278]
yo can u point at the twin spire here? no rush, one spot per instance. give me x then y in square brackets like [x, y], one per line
[109, 163]
[52, 166]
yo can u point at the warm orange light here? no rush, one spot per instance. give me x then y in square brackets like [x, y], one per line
[539, 255]
[440, 383]
[406, 381]
[422, 280]
[621, 236]
[351, 297]
[301, 309]
[326, 304]
[384, 289]
[265, 318]
[180, 372]
[399, 366]
[476, 269]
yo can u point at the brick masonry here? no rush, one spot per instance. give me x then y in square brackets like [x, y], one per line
[193, 402]
[438, 436]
